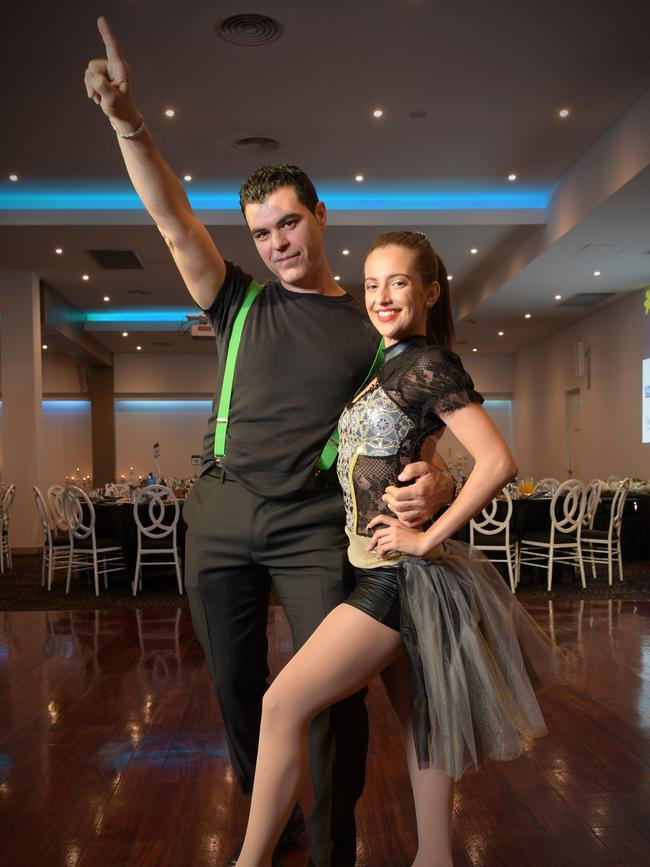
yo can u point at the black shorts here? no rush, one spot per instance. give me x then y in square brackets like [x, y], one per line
[376, 594]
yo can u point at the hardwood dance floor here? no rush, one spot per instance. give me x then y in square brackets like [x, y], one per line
[112, 751]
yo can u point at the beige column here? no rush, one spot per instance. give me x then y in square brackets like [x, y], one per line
[102, 402]
[22, 395]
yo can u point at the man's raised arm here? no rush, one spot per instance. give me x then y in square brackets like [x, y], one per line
[108, 84]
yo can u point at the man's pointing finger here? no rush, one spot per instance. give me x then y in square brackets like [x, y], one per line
[113, 50]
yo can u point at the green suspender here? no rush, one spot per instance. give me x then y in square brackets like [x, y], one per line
[330, 450]
[252, 291]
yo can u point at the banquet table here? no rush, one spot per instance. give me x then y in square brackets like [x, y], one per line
[115, 520]
[532, 514]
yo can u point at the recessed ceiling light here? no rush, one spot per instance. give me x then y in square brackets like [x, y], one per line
[58, 251]
[125, 334]
[138, 348]
[473, 251]
[500, 333]
[187, 178]
[169, 112]
[564, 112]
[378, 112]
[358, 178]
[512, 177]
[13, 178]
[526, 315]
[107, 298]
[475, 349]
[44, 346]
[345, 252]
[558, 297]
[337, 276]
[450, 276]
[596, 273]
[85, 277]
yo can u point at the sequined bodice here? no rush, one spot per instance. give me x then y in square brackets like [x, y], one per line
[372, 427]
[382, 431]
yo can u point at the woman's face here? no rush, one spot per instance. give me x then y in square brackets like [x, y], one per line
[396, 299]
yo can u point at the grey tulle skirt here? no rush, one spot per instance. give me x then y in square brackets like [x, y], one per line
[476, 657]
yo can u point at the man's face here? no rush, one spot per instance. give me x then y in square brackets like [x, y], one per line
[288, 237]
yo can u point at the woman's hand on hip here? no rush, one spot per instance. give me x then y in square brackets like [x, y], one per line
[393, 537]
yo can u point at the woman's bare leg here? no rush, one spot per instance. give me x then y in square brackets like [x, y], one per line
[433, 791]
[343, 654]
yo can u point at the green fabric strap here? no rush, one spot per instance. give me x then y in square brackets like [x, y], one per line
[252, 291]
[331, 448]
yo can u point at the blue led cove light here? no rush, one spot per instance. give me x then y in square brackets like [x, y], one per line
[139, 405]
[66, 405]
[139, 314]
[344, 195]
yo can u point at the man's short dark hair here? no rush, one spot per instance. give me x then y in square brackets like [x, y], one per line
[269, 178]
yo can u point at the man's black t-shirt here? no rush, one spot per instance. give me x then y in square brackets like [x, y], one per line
[301, 358]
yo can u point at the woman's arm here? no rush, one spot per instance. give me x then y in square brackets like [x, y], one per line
[494, 465]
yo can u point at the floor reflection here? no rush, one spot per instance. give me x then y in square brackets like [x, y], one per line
[111, 746]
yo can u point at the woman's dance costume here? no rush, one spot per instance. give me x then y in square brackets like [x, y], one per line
[476, 656]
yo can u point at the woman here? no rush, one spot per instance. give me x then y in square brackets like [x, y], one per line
[468, 641]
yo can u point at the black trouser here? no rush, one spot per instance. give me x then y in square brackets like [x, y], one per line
[237, 544]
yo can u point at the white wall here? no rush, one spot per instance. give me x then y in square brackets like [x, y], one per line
[61, 375]
[67, 438]
[493, 376]
[178, 427]
[165, 374]
[611, 408]
[175, 422]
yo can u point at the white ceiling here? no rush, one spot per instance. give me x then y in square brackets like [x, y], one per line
[490, 77]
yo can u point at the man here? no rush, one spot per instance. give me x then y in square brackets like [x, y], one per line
[260, 513]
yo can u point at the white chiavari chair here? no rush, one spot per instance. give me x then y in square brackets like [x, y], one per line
[156, 512]
[86, 551]
[492, 534]
[563, 544]
[603, 546]
[56, 549]
[7, 496]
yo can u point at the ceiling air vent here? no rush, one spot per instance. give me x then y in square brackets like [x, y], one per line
[600, 250]
[586, 299]
[249, 29]
[138, 292]
[116, 260]
[256, 144]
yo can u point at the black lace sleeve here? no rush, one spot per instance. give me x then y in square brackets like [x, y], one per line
[438, 383]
